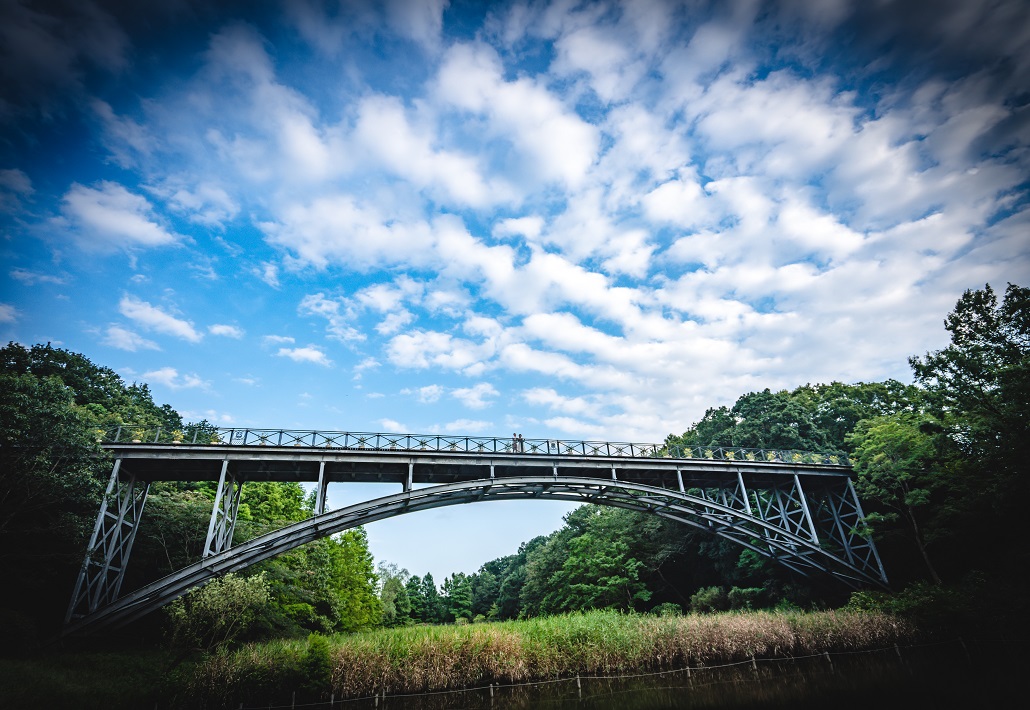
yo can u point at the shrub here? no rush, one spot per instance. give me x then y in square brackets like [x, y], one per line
[745, 598]
[667, 609]
[709, 599]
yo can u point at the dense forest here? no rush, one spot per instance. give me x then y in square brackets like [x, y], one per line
[939, 464]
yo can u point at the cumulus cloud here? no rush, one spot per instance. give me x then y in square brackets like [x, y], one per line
[310, 353]
[157, 320]
[170, 377]
[124, 339]
[333, 311]
[477, 396]
[109, 217]
[228, 331]
[8, 313]
[555, 143]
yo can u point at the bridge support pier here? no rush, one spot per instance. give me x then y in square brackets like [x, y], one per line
[323, 485]
[223, 513]
[103, 568]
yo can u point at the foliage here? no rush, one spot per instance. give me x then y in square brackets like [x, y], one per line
[393, 595]
[419, 659]
[895, 461]
[52, 472]
[217, 613]
[709, 599]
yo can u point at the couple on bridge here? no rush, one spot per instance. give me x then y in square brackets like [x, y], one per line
[518, 444]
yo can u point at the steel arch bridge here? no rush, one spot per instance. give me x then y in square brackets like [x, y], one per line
[799, 509]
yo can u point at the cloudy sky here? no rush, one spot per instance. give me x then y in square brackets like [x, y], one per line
[578, 219]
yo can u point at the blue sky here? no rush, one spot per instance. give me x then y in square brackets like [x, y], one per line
[577, 219]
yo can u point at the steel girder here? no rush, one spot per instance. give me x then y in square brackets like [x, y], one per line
[103, 568]
[223, 513]
[790, 535]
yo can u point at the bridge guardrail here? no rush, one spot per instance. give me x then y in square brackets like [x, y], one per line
[442, 443]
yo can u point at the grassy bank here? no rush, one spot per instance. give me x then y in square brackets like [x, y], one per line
[418, 659]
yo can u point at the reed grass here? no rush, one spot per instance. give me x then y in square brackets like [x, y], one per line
[599, 643]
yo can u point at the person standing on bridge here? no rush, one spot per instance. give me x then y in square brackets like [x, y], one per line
[522, 445]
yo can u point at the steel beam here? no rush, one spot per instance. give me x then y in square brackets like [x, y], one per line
[223, 513]
[107, 555]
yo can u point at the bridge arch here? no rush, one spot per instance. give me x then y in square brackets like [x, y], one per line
[790, 536]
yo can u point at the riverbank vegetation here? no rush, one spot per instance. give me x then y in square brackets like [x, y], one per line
[419, 659]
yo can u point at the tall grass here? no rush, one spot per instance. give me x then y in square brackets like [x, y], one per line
[425, 658]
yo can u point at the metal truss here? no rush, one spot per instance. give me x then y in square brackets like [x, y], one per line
[103, 568]
[223, 513]
[773, 522]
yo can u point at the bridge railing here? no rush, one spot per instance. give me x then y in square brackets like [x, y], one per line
[443, 443]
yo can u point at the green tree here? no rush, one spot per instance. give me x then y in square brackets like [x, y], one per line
[52, 474]
[598, 574]
[895, 462]
[417, 599]
[393, 595]
[978, 389]
[777, 421]
[980, 383]
[457, 596]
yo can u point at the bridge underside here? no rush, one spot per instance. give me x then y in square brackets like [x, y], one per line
[805, 517]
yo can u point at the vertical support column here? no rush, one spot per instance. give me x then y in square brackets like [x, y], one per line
[804, 506]
[223, 513]
[743, 494]
[679, 480]
[322, 486]
[411, 476]
[614, 477]
[103, 567]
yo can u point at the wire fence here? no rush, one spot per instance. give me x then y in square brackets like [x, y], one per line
[698, 676]
[197, 435]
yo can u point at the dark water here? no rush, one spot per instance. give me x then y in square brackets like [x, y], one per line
[937, 676]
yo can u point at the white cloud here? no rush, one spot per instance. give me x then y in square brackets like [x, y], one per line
[124, 339]
[31, 278]
[269, 273]
[153, 318]
[207, 204]
[418, 21]
[8, 313]
[228, 331]
[429, 394]
[554, 142]
[15, 186]
[110, 217]
[384, 131]
[475, 397]
[310, 353]
[277, 339]
[170, 377]
[318, 304]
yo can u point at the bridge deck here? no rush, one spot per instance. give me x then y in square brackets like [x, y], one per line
[194, 462]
